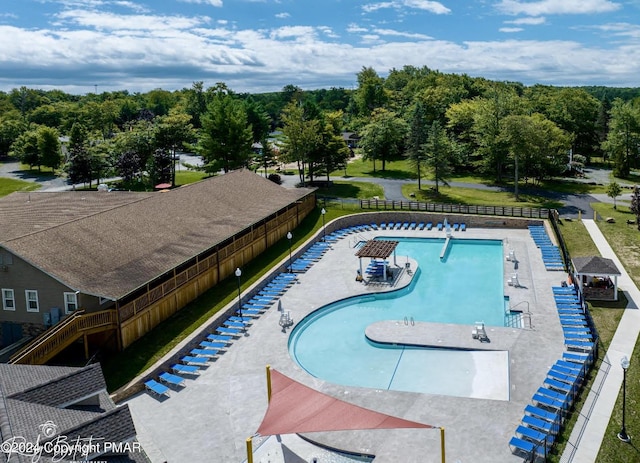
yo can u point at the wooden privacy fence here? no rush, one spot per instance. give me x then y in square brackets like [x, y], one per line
[504, 211]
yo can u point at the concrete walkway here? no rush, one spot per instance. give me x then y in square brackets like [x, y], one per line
[586, 438]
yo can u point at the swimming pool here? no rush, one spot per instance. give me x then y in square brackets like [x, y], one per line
[463, 287]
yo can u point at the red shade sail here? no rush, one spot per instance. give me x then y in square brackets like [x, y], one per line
[296, 408]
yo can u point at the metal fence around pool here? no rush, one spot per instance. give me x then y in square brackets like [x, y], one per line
[505, 211]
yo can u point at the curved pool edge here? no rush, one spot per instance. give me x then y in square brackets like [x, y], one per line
[440, 335]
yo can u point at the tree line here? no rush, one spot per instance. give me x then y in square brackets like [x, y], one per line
[443, 123]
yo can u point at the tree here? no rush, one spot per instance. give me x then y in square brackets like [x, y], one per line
[333, 152]
[635, 204]
[536, 145]
[301, 136]
[226, 137]
[623, 138]
[49, 147]
[10, 130]
[613, 191]
[78, 165]
[171, 132]
[25, 148]
[417, 137]
[438, 150]
[383, 138]
[370, 93]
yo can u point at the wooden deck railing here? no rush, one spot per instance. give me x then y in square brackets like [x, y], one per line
[58, 337]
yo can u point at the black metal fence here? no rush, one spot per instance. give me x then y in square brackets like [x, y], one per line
[504, 211]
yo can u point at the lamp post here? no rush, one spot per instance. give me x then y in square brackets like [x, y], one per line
[324, 232]
[238, 274]
[289, 236]
[624, 363]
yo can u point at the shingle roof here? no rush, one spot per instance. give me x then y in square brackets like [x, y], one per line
[23, 418]
[595, 265]
[18, 378]
[65, 390]
[110, 252]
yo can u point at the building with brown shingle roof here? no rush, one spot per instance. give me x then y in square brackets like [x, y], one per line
[130, 260]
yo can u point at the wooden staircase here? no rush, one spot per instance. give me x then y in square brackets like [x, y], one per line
[60, 336]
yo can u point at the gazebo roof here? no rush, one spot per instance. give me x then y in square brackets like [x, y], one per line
[377, 249]
[595, 265]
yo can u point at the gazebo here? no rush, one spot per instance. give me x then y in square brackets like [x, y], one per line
[594, 274]
[377, 249]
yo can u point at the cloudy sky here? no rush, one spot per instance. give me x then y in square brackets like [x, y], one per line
[263, 45]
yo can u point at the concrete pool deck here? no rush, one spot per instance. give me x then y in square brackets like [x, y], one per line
[214, 414]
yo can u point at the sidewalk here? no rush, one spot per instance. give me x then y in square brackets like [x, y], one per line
[586, 438]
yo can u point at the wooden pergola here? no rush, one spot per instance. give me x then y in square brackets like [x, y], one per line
[378, 249]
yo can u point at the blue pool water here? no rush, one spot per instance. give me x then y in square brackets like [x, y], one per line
[463, 287]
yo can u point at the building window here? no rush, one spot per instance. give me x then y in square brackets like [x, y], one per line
[31, 295]
[70, 302]
[8, 299]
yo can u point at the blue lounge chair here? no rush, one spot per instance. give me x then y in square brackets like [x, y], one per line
[456, 226]
[439, 226]
[196, 361]
[156, 388]
[399, 226]
[204, 353]
[405, 225]
[374, 226]
[575, 357]
[254, 313]
[541, 413]
[549, 402]
[429, 225]
[528, 449]
[262, 307]
[213, 345]
[535, 436]
[463, 226]
[383, 225]
[413, 225]
[220, 338]
[171, 379]
[229, 331]
[245, 320]
[537, 423]
[553, 394]
[185, 369]
[421, 225]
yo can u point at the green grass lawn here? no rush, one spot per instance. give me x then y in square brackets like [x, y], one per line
[393, 169]
[9, 185]
[458, 195]
[359, 190]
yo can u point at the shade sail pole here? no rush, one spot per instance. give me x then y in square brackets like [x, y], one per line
[441, 444]
[269, 383]
[249, 450]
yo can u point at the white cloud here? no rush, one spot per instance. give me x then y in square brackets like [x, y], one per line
[283, 15]
[548, 7]
[394, 33]
[430, 6]
[206, 2]
[509, 30]
[132, 6]
[530, 21]
[354, 28]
